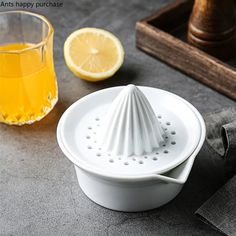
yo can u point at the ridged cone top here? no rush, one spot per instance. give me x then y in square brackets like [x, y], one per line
[131, 126]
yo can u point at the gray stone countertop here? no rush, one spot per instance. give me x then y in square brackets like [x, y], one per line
[39, 193]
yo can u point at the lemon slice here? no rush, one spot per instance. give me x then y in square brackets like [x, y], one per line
[93, 54]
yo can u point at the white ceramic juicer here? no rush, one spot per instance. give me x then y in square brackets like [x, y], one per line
[132, 147]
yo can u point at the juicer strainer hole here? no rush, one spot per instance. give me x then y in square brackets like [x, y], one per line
[89, 127]
[98, 125]
[99, 149]
[94, 132]
[133, 159]
[111, 161]
[165, 129]
[154, 158]
[173, 132]
[166, 137]
[163, 145]
[140, 162]
[166, 151]
[109, 154]
[157, 153]
[173, 142]
[89, 147]
[98, 154]
[88, 137]
[97, 119]
[119, 158]
[159, 117]
[145, 157]
[168, 123]
[126, 163]
[95, 141]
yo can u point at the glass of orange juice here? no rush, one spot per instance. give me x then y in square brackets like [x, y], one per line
[28, 86]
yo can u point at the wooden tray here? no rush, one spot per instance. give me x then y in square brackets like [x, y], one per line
[164, 34]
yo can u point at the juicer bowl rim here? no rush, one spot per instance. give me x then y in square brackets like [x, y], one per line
[128, 177]
[138, 178]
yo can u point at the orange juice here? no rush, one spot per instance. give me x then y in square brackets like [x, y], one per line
[28, 89]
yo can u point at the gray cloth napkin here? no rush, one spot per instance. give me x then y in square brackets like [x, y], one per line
[221, 136]
[220, 210]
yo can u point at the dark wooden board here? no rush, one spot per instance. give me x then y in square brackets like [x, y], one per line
[164, 34]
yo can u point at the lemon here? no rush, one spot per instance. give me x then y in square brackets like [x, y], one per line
[93, 54]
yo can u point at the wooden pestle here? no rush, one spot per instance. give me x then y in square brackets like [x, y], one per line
[212, 27]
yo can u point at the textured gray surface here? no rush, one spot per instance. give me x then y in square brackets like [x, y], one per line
[39, 194]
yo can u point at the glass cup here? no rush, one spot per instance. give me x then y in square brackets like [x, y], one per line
[28, 86]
